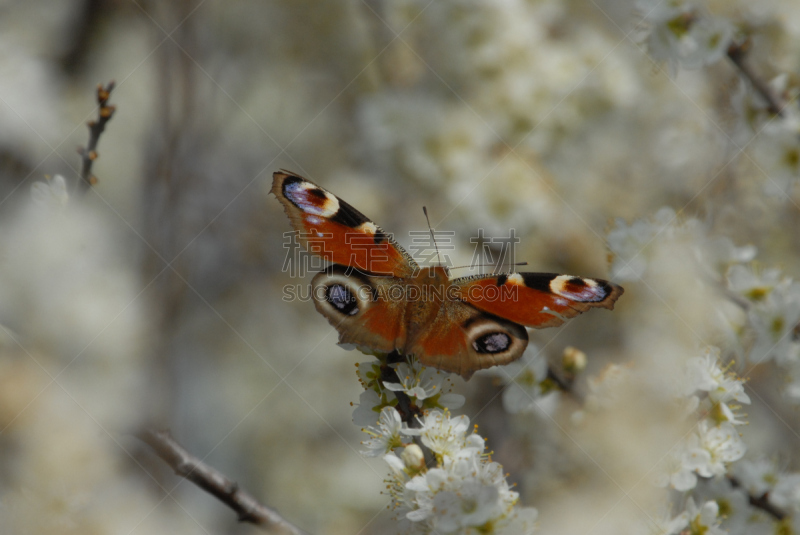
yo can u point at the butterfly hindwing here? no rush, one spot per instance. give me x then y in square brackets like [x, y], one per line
[462, 340]
[360, 308]
[334, 230]
[537, 300]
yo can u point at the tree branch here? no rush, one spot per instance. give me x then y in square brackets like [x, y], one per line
[737, 53]
[214, 482]
[88, 154]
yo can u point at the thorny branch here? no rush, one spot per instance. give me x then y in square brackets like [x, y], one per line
[214, 482]
[737, 53]
[88, 154]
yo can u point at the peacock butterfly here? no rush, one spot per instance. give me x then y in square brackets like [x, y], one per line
[377, 297]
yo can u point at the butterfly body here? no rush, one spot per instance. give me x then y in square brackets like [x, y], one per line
[376, 296]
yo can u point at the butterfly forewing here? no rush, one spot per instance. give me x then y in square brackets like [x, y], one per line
[334, 230]
[537, 300]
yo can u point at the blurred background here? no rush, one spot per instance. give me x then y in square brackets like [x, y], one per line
[157, 297]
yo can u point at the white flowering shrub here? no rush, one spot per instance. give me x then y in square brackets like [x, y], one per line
[653, 143]
[462, 491]
[753, 315]
[684, 33]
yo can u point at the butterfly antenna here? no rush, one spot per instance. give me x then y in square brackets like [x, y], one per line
[489, 265]
[425, 211]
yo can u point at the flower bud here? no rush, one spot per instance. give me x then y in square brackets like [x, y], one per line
[413, 458]
[573, 360]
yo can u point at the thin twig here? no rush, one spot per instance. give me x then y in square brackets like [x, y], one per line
[760, 502]
[737, 53]
[88, 154]
[214, 482]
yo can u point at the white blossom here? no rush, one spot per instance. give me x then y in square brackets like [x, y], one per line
[770, 331]
[628, 243]
[367, 411]
[758, 477]
[51, 194]
[752, 285]
[714, 443]
[738, 516]
[422, 383]
[677, 471]
[632, 245]
[705, 374]
[464, 491]
[715, 447]
[773, 321]
[776, 151]
[681, 34]
[523, 379]
[786, 492]
[705, 518]
[397, 465]
[386, 436]
[718, 253]
[470, 504]
[772, 316]
[662, 524]
[521, 521]
[445, 436]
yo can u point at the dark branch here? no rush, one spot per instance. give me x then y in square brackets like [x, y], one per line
[214, 482]
[88, 154]
[760, 502]
[737, 53]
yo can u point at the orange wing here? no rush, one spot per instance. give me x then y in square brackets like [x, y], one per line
[536, 300]
[463, 340]
[334, 230]
[357, 305]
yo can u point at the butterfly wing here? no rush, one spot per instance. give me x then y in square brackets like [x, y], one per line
[336, 231]
[462, 339]
[536, 300]
[361, 307]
